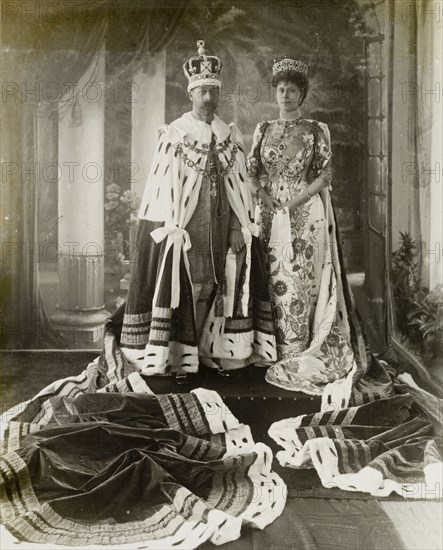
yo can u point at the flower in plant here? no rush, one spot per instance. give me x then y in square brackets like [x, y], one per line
[119, 206]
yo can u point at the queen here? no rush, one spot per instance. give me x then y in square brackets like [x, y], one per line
[290, 172]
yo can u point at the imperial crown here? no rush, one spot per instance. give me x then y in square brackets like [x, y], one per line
[287, 64]
[202, 70]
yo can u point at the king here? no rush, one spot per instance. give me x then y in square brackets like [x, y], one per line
[198, 291]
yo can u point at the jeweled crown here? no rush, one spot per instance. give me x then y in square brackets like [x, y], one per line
[203, 69]
[287, 64]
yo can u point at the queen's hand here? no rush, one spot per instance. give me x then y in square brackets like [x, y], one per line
[291, 206]
[296, 202]
[269, 202]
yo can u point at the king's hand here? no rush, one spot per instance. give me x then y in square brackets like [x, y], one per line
[236, 240]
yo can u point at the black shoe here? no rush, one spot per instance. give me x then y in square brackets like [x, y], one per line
[183, 378]
[236, 373]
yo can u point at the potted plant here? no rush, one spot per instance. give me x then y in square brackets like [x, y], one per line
[419, 312]
[121, 206]
[426, 316]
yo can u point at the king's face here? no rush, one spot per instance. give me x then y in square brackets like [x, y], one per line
[205, 99]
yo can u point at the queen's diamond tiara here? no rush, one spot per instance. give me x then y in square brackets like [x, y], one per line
[287, 64]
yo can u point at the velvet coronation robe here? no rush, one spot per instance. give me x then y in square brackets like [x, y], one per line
[159, 332]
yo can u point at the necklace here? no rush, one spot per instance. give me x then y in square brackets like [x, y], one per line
[288, 121]
[291, 116]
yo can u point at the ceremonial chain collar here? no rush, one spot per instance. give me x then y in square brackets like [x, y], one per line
[204, 148]
[180, 150]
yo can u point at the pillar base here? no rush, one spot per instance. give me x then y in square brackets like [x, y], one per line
[80, 329]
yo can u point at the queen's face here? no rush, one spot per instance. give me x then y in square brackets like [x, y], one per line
[288, 96]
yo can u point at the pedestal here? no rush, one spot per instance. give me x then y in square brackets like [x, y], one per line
[81, 315]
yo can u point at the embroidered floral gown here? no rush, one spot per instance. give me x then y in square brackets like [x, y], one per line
[312, 330]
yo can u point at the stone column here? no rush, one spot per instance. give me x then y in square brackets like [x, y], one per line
[80, 309]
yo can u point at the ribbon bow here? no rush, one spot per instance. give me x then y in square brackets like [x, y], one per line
[179, 239]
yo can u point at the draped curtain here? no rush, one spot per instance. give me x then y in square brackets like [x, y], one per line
[42, 50]
[429, 79]
[417, 135]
